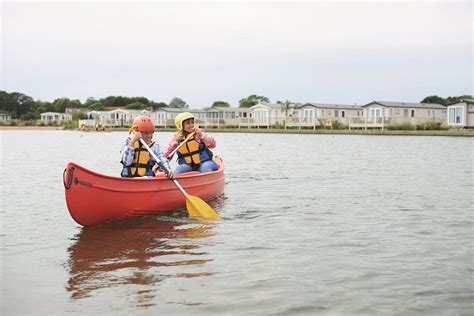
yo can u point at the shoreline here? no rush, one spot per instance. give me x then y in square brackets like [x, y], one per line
[454, 133]
[39, 128]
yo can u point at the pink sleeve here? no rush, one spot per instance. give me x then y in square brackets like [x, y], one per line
[173, 144]
[209, 141]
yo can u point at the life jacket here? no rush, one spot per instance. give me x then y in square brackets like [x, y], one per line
[142, 164]
[193, 153]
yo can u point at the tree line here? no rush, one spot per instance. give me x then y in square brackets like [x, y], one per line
[445, 101]
[24, 107]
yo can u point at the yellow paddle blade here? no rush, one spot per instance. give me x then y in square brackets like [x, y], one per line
[198, 208]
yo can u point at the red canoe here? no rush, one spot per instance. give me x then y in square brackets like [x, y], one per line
[94, 199]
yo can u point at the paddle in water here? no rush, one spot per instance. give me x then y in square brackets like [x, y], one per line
[196, 207]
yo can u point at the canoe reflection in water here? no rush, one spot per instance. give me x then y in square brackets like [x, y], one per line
[141, 252]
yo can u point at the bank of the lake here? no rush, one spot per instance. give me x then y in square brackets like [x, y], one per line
[460, 132]
[450, 132]
[31, 128]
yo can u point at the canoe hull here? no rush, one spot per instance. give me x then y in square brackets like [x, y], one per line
[94, 199]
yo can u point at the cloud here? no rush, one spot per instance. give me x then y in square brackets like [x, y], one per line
[202, 52]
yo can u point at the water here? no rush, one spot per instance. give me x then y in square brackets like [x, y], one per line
[313, 224]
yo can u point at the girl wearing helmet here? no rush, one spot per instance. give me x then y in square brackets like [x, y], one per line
[136, 160]
[194, 155]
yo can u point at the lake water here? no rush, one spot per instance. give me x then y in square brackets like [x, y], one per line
[313, 224]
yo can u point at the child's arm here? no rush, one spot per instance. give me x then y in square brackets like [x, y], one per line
[127, 153]
[200, 136]
[159, 153]
[172, 145]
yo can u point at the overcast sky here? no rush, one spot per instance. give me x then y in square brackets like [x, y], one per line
[345, 52]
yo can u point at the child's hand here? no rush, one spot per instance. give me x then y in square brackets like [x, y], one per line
[156, 170]
[135, 137]
[199, 132]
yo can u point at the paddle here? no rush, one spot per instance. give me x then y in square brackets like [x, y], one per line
[195, 206]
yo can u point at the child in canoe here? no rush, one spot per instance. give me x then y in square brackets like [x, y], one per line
[194, 155]
[136, 160]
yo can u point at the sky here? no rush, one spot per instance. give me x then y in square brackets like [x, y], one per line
[348, 52]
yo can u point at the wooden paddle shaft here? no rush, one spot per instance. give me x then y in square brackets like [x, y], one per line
[161, 165]
[180, 187]
[154, 156]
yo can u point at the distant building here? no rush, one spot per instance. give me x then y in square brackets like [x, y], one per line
[380, 114]
[5, 117]
[164, 117]
[461, 114]
[229, 116]
[113, 118]
[265, 115]
[55, 117]
[76, 110]
[320, 113]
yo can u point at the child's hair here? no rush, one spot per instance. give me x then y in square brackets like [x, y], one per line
[181, 135]
[132, 129]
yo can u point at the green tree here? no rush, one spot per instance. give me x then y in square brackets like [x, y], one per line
[121, 101]
[158, 105]
[253, 100]
[7, 102]
[450, 100]
[41, 107]
[220, 104]
[60, 104]
[90, 101]
[445, 101]
[30, 116]
[136, 106]
[178, 103]
[16, 103]
[286, 106]
[141, 100]
[115, 101]
[96, 107]
[434, 99]
[78, 116]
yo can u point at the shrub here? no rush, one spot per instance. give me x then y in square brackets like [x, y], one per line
[71, 124]
[433, 126]
[400, 127]
[29, 123]
[338, 125]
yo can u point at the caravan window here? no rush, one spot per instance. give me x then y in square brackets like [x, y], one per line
[455, 115]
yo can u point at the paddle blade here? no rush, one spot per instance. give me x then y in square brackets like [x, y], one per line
[198, 208]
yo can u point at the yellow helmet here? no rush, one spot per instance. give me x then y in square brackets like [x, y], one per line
[180, 118]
